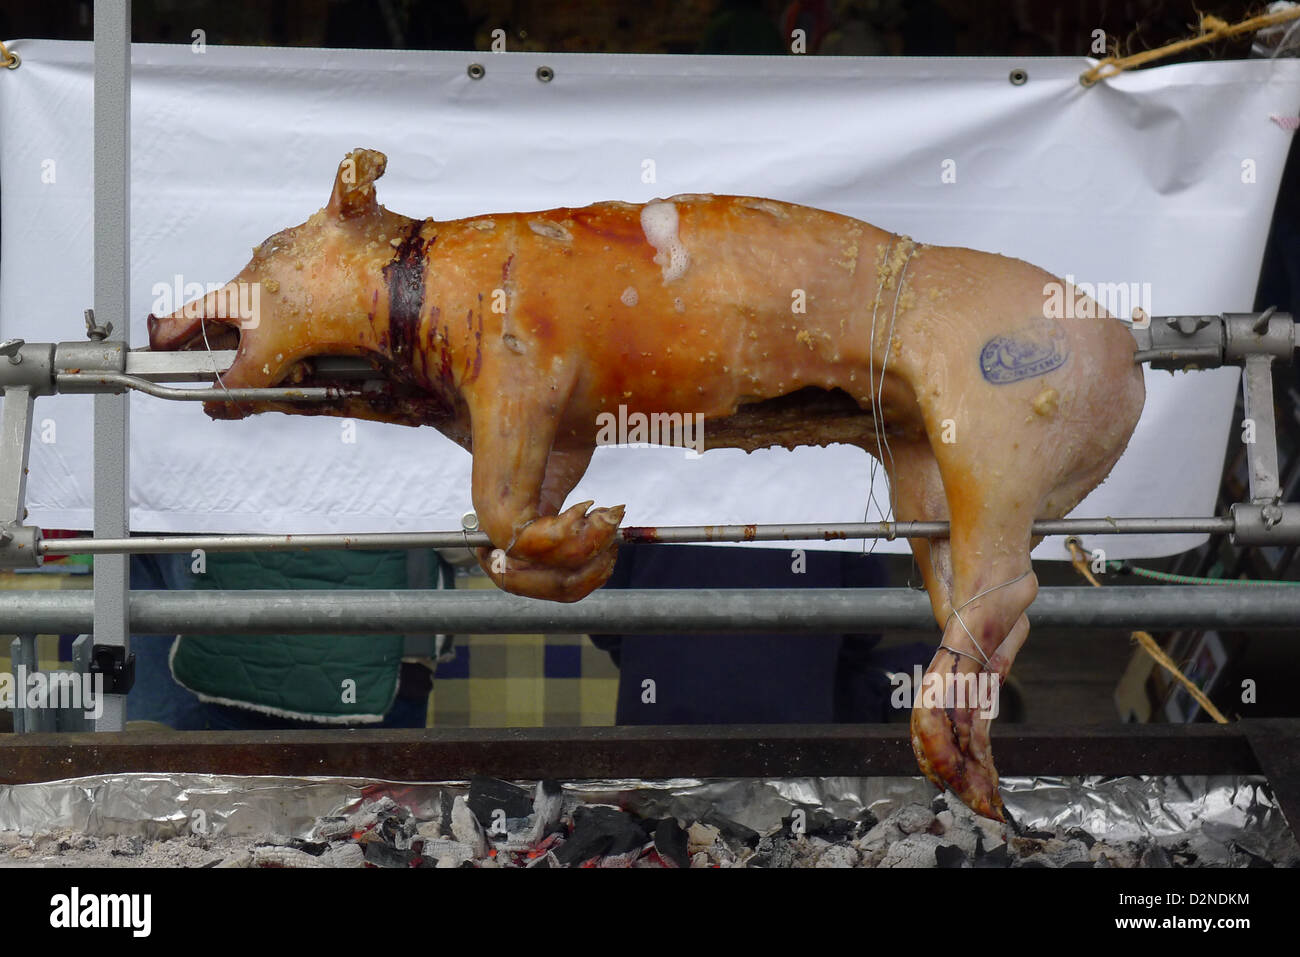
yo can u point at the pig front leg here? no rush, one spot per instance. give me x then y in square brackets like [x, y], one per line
[519, 483]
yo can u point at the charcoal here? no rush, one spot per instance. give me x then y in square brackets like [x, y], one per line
[332, 828]
[949, 855]
[735, 831]
[912, 818]
[1123, 854]
[345, 855]
[438, 850]
[965, 837]
[1069, 852]
[1026, 846]
[701, 837]
[939, 805]
[1035, 835]
[1155, 856]
[396, 829]
[447, 802]
[777, 852]
[373, 813]
[488, 795]
[547, 860]
[1079, 834]
[1000, 856]
[275, 855]
[520, 834]
[600, 830]
[866, 821]
[670, 842]
[1036, 861]
[838, 855]
[465, 827]
[625, 859]
[991, 832]
[548, 809]
[818, 822]
[879, 837]
[915, 850]
[382, 855]
[314, 848]
[837, 829]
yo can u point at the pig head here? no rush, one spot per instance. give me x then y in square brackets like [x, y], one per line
[415, 298]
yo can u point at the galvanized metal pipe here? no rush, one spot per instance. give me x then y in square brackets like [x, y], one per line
[649, 611]
[112, 283]
[679, 534]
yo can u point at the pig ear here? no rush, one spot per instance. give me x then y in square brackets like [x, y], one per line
[354, 186]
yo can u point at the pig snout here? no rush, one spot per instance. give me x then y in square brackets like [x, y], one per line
[233, 306]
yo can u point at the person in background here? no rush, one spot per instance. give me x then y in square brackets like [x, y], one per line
[753, 678]
[278, 681]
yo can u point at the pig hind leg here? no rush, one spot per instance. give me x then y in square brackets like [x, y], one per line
[992, 586]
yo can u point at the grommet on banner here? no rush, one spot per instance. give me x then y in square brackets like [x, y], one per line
[8, 58]
[1018, 77]
[476, 71]
[545, 74]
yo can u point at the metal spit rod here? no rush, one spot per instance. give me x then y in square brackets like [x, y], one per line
[680, 534]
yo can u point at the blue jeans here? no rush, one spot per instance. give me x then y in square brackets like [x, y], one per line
[156, 696]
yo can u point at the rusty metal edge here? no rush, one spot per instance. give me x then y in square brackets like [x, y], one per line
[629, 752]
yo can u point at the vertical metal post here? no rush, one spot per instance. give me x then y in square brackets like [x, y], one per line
[112, 274]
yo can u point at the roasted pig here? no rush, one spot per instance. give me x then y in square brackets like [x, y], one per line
[781, 325]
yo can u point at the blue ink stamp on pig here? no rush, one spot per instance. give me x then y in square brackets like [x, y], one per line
[1028, 352]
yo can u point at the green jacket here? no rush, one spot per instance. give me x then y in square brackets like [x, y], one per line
[343, 679]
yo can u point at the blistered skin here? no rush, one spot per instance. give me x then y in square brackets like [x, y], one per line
[780, 325]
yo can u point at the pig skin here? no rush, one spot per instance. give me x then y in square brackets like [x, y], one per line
[781, 324]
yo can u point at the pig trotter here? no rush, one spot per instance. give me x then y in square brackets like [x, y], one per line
[532, 579]
[952, 745]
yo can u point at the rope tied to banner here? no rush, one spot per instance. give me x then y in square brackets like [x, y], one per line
[1210, 28]
[8, 58]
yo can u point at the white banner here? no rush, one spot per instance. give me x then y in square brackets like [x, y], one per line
[1162, 181]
